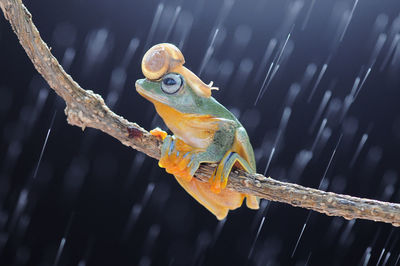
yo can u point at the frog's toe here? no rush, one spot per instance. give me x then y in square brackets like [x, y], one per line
[165, 150]
[184, 174]
[219, 178]
[170, 163]
[166, 146]
[176, 162]
[193, 164]
[215, 183]
[185, 167]
[158, 132]
[252, 202]
[219, 183]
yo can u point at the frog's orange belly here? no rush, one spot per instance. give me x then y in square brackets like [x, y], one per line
[195, 130]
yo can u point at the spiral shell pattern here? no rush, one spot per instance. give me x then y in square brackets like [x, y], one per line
[164, 58]
[161, 59]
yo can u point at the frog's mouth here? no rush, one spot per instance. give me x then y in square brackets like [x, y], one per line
[147, 94]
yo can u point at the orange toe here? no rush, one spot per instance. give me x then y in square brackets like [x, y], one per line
[215, 183]
[182, 164]
[168, 161]
[157, 132]
[170, 170]
[215, 187]
[224, 182]
[163, 162]
[176, 165]
[184, 174]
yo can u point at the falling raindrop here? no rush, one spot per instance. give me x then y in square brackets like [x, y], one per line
[361, 144]
[130, 52]
[305, 22]
[301, 234]
[255, 239]
[99, 44]
[349, 18]
[154, 25]
[301, 161]
[294, 91]
[320, 76]
[173, 22]
[183, 28]
[209, 52]
[267, 55]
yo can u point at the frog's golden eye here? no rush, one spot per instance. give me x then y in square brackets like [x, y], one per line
[171, 83]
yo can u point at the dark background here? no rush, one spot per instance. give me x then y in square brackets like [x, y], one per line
[92, 201]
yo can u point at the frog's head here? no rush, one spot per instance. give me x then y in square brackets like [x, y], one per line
[168, 82]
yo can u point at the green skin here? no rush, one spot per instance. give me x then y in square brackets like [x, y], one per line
[229, 132]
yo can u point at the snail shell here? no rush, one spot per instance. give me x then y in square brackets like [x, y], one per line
[160, 59]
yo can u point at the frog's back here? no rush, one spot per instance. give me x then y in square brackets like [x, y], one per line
[214, 108]
[241, 143]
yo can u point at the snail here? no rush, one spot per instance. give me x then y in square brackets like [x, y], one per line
[165, 58]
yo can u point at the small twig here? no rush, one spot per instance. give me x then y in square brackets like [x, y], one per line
[87, 109]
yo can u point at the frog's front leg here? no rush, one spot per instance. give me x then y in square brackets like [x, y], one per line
[182, 160]
[178, 158]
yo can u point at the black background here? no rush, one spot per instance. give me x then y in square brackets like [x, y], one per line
[94, 201]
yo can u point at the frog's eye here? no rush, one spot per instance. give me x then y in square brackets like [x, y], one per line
[171, 83]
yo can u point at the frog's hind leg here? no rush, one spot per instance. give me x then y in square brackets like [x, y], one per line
[219, 179]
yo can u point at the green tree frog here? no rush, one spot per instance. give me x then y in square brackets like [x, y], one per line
[204, 130]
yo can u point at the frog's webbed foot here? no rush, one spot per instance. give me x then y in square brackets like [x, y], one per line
[178, 158]
[219, 178]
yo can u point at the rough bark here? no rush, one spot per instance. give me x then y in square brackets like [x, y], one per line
[87, 109]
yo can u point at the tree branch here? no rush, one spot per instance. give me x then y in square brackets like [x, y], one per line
[87, 109]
